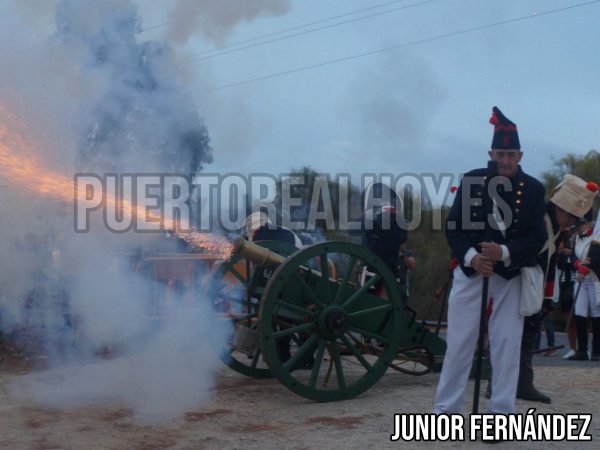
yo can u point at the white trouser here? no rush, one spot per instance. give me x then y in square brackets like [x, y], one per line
[586, 305]
[505, 329]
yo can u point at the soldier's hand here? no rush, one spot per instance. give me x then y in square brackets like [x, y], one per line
[565, 251]
[581, 277]
[491, 251]
[482, 265]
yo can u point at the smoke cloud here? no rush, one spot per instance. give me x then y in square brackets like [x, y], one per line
[86, 94]
[216, 19]
[139, 109]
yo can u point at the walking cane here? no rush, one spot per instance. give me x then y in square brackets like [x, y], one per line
[492, 171]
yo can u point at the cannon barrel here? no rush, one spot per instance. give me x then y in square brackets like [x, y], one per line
[257, 254]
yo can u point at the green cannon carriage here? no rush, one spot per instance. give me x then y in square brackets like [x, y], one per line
[303, 317]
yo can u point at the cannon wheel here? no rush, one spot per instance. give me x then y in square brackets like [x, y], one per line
[329, 322]
[416, 361]
[233, 301]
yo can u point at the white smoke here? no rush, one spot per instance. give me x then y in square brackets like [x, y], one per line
[94, 97]
[139, 112]
[171, 372]
[216, 19]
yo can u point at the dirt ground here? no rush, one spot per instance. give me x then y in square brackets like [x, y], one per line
[263, 414]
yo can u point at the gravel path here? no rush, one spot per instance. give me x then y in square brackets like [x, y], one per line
[262, 414]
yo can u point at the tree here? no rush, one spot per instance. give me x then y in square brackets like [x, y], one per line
[313, 187]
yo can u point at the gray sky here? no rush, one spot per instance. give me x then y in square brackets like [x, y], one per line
[418, 108]
[422, 108]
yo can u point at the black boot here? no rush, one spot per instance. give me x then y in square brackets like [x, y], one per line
[582, 339]
[596, 339]
[525, 389]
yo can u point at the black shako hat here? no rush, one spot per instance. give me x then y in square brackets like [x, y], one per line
[506, 136]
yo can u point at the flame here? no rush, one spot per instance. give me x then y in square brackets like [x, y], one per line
[20, 166]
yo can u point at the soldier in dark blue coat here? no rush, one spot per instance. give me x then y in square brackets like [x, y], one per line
[383, 230]
[514, 235]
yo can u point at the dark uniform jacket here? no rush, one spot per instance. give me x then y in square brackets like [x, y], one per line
[548, 263]
[525, 234]
[383, 233]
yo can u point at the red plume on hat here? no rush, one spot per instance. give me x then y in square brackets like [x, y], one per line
[591, 186]
[494, 119]
[506, 136]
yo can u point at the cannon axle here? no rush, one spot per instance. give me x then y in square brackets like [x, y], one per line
[333, 321]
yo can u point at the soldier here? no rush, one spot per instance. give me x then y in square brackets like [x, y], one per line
[568, 203]
[384, 232]
[566, 284]
[588, 301]
[258, 227]
[516, 238]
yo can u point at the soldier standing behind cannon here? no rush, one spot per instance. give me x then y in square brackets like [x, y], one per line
[384, 232]
[512, 241]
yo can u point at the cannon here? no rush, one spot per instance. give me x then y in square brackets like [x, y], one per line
[303, 317]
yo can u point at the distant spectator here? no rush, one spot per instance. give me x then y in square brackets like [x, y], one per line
[587, 301]
[566, 283]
